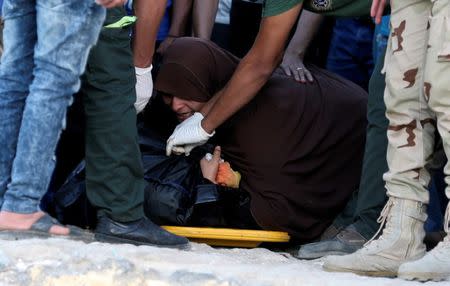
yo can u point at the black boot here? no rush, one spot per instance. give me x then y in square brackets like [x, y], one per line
[139, 232]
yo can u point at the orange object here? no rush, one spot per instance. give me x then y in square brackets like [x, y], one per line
[227, 177]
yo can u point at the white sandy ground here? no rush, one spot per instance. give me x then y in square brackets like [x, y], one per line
[63, 262]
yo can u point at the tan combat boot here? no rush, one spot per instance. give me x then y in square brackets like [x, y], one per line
[435, 265]
[401, 241]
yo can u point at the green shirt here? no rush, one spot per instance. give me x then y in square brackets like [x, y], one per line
[337, 8]
[275, 7]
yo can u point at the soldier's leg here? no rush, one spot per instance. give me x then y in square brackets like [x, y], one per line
[410, 144]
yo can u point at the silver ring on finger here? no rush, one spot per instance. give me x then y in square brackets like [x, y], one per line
[299, 68]
[208, 156]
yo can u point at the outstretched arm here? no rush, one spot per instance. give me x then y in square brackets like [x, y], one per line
[254, 69]
[149, 14]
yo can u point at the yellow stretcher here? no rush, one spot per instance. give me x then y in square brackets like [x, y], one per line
[229, 237]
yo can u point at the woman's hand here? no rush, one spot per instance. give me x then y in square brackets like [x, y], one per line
[293, 66]
[211, 166]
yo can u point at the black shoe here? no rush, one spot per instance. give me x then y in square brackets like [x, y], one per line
[139, 232]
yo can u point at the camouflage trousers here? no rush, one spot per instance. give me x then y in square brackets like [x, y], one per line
[417, 94]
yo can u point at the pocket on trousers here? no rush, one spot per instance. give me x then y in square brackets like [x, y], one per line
[387, 55]
[116, 35]
[443, 52]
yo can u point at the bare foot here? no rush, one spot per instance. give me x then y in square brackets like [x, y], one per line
[17, 221]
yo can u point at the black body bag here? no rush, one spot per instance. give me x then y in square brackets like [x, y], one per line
[175, 186]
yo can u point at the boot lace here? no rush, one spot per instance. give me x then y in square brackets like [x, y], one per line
[382, 220]
[447, 218]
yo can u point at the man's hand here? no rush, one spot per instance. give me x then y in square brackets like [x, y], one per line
[188, 134]
[377, 9]
[144, 87]
[110, 3]
[293, 66]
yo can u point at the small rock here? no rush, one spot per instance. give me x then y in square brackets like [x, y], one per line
[4, 260]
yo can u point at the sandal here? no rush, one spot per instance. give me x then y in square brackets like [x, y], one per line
[41, 229]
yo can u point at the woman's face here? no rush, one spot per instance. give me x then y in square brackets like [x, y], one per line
[183, 108]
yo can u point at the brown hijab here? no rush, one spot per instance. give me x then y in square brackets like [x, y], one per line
[299, 147]
[194, 69]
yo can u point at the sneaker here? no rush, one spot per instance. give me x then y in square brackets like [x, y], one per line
[346, 241]
[330, 232]
[435, 265]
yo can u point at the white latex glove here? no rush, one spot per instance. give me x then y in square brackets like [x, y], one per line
[188, 135]
[144, 87]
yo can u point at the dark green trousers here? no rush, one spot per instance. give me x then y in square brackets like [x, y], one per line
[365, 207]
[114, 173]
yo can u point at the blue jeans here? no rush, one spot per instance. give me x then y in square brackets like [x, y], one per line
[46, 46]
[350, 54]
[381, 36]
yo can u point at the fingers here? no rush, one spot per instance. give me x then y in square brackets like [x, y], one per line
[210, 165]
[293, 66]
[377, 10]
[187, 149]
[286, 70]
[215, 157]
[216, 154]
[303, 75]
[178, 150]
[309, 76]
[203, 162]
[298, 74]
[374, 8]
[380, 12]
[169, 146]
